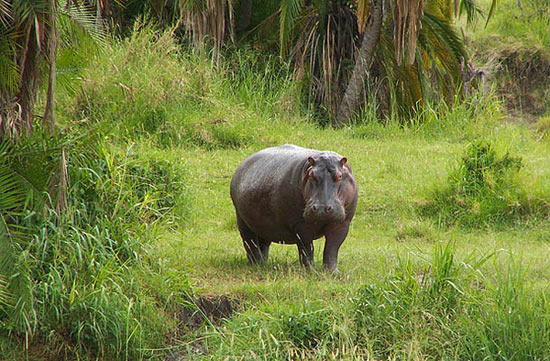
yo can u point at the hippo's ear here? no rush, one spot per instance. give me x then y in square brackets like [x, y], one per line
[343, 161]
[311, 161]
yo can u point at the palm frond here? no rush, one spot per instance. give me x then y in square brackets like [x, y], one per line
[362, 14]
[13, 193]
[84, 17]
[290, 12]
[470, 8]
[407, 24]
[443, 51]
[441, 30]
[29, 12]
[9, 71]
[5, 298]
[14, 268]
[5, 13]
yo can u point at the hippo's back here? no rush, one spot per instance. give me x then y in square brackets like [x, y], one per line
[268, 168]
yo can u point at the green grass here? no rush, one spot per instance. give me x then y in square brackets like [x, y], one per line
[172, 130]
[527, 25]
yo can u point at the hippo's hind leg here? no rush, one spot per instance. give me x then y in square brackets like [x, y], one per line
[257, 248]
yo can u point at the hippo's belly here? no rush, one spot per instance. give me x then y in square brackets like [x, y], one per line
[284, 233]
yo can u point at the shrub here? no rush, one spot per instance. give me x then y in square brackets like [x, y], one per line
[483, 188]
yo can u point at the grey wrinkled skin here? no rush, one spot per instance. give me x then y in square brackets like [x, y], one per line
[288, 194]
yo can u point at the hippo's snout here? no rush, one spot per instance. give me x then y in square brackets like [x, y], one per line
[319, 208]
[319, 212]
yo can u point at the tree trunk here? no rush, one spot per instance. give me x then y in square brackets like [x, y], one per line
[360, 70]
[29, 79]
[245, 14]
[48, 120]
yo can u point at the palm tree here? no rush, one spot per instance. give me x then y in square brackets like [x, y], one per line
[28, 37]
[320, 37]
[410, 53]
[435, 61]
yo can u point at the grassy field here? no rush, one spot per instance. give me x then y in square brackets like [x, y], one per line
[438, 264]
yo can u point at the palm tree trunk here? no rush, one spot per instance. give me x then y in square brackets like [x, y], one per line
[29, 80]
[360, 70]
[48, 120]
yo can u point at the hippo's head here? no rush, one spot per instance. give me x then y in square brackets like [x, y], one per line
[325, 178]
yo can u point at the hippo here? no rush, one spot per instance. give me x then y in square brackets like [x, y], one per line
[293, 195]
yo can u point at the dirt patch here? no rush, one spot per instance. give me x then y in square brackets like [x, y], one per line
[200, 310]
[208, 309]
[524, 78]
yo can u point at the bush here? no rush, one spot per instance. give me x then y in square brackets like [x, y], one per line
[483, 188]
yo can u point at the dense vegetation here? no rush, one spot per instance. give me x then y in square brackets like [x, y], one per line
[118, 237]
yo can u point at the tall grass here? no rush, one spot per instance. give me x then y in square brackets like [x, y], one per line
[531, 22]
[438, 309]
[149, 88]
[79, 278]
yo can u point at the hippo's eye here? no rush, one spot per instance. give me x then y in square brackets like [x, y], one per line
[338, 176]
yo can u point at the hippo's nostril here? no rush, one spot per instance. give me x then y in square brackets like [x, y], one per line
[314, 208]
[329, 208]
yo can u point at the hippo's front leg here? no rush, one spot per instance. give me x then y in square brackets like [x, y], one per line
[335, 233]
[304, 241]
